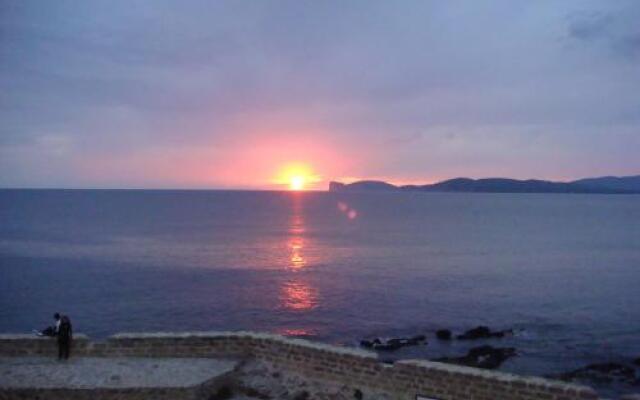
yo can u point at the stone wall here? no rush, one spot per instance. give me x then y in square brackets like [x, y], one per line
[31, 345]
[102, 394]
[353, 367]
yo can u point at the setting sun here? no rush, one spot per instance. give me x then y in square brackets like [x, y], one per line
[297, 183]
[297, 177]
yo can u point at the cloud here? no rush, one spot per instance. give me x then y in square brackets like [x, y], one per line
[618, 32]
[591, 27]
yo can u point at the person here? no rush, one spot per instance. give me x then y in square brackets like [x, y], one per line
[64, 333]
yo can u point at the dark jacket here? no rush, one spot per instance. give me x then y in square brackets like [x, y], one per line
[65, 331]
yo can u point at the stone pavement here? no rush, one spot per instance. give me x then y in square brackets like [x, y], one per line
[109, 373]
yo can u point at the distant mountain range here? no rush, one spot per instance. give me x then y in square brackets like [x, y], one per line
[605, 185]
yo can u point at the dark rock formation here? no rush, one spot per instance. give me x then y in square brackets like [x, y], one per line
[610, 185]
[362, 186]
[637, 361]
[393, 344]
[223, 393]
[370, 343]
[251, 392]
[505, 185]
[483, 332]
[443, 334]
[609, 372]
[303, 395]
[336, 186]
[622, 183]
[487, 357]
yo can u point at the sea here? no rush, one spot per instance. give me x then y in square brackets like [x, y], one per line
[561, 270]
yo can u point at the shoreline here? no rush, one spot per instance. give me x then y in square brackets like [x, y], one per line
[360, 369]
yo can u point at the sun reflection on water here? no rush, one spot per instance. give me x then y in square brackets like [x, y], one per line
[296, 239]
[296, 259]
[298, 296]
[297, 332]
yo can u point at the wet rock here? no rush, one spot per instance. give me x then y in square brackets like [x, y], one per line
[609, 372]
[443, 334]
[223, 393]
[304, 395]
[487, 357]
[483, 332]
[370, 343]
[393, 344]
[419, 339]
[253, 393]
[389, 345]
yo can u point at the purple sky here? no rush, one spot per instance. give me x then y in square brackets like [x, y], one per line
[222, 94]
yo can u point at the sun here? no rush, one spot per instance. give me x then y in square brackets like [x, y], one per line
[296, 177]
[297, 182]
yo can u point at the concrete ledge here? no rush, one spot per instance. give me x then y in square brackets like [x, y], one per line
[240, 335]
[109, 373]
[26, 345]
[111, 378]
[29, 337]
[102, 394]
[501, 378]
[347, 366]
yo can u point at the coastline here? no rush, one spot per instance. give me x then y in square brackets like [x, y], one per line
[354, 368]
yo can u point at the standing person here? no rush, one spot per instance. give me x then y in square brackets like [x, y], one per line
[64, 333]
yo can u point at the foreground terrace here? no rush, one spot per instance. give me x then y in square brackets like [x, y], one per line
[244, 365]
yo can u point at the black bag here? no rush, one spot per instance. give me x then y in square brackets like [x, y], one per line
[49, 331]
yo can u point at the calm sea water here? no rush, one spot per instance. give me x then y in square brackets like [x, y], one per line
[563, 270]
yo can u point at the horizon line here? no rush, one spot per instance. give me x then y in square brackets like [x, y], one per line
[167, 189]
[284, 189]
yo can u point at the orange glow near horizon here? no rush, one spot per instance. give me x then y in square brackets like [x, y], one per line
[282, 152]
[297, 176]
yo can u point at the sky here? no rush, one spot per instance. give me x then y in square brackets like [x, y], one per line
[243, 94]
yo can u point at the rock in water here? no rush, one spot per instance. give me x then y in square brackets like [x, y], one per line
[476, 333]
[487, 357]
[603, 373]
[393, 344]
[443, 334]
[370, 343]
[483, 332]
[390, 345]
[491, 357]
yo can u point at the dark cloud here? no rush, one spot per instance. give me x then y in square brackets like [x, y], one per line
[591, 27]
[630, 46]
[617, 31]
